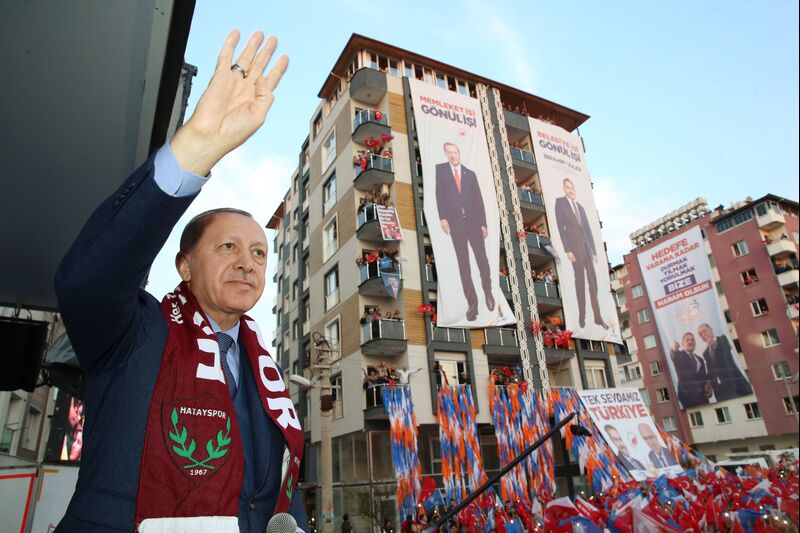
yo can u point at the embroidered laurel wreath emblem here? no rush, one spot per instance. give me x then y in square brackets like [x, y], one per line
[179, 435]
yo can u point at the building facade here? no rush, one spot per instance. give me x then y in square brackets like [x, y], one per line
[752, 250]
[322, 228]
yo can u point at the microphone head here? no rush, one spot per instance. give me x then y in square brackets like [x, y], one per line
[282, 523]
[580, 431]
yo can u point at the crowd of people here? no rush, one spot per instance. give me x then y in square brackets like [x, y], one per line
[506, 376]
[530, 188]
[378, 197]
[382, 374]
[387, 258]
[535, 230]
[361, 157]
[374, 313]
[546, 276]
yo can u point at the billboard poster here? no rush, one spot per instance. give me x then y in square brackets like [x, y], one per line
[626, 425]
[390, 223]
[701, 357]
[460, 208]
[589, 309]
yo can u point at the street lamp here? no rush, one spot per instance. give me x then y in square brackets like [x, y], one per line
[321, 368]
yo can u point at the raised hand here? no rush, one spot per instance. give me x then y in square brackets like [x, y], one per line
[233, 105]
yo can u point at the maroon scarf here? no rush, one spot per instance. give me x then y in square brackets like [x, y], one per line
[193, 462]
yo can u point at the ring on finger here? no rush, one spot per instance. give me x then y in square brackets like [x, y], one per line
[240, 69]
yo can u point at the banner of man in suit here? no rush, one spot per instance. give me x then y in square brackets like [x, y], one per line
[589, 309]
[626, 425]
[460, 208]
[702, 360]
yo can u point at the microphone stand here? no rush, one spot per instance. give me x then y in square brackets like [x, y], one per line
[525, 453]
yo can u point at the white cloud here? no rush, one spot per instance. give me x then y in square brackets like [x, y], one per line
[244, 180]
[623, 210]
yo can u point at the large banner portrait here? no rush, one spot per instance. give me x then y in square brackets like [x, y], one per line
[702, 360]
[627, 427]
[589, 309]
[460, 208]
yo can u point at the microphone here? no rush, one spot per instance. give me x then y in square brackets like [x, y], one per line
[282, 523]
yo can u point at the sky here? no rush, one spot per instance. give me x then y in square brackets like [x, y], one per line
[687, 99]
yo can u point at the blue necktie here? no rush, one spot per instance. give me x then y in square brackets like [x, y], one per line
[225, 341]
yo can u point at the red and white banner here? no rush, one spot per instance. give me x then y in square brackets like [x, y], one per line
[460, 208]
[626, 425]
[589, 309]
[703, 362]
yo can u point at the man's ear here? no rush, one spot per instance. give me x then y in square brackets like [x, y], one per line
[182, 265]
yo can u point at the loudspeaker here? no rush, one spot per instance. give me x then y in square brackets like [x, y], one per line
[22, 345]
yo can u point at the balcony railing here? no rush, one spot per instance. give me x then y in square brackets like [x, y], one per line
[373, 270]
[384, 329]
[368, 214]
[374, 396]
[530, 197]
[430, 273]
[522, 155]
[537, 241]
[441, 334]
[501, 337]
[545, 290]
[377, 162]
[369, 124]
[505, 285]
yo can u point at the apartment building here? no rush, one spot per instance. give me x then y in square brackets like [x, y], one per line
[322, 228]
[752, 251]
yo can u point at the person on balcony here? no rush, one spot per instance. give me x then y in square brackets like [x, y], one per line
[462, 215]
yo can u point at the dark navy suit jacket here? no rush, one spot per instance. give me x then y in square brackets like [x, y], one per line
[576, 236]
[119, 333]
[455, 206]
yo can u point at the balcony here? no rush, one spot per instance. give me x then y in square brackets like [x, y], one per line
[531, 205]
[781, 248]
[378, 171]
[501, 344]
[524, 164]
[372, 282]
[383, 337]
[368, 86]
[771, 219]
[788, 279]
[557, 355]
[369, 124]
[792, 311]
[548, 298]
[517, 125]
[537, 250]
[374, 409]
[457, 335]
[430, 274]
[369, 229]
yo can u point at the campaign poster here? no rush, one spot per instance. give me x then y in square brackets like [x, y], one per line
[390, 223]
[65, 442]
[703, 363]
[460, 208]
[589, 309]
[626, 425]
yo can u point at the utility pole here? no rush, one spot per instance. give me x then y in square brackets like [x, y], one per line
[325, 464]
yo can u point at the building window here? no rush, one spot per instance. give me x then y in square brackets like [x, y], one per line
[317, 125]
[759, 307]
[596, 378]
[752, 411]
[696, 419]
[329, 150]
[740, 248]
[336, 392]
[637, 291]
[740, 449]
[331, 288]
[649, 341]
[790, 404]
[295, 328]
[30, 436]
[331, 239]
[643, 315]
[724, 225]
[781, 370]
[669, 423]
[770, 338]
[749, 277]
[332, 334]
[662, 395]
[645, 396]
[295, 286]
[723, 415]
[329, 194]
[655, 368]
